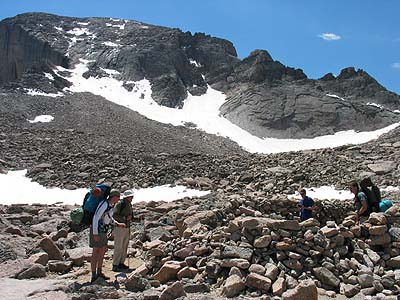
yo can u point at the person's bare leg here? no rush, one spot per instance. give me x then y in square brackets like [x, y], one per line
[94, 261]
[100, 262]
[102, 252]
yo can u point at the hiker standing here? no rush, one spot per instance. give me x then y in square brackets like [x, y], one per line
[102, 218]
[123, 214]
[360, 201]
[306, 206]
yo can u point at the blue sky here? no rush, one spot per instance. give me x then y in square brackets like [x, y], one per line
[361, 33]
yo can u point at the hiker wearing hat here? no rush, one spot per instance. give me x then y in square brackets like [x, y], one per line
[103, 217]
[123, 214]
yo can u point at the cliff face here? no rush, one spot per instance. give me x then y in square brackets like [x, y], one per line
[20, 51]
[264, 96]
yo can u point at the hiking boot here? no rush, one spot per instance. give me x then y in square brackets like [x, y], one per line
[116, 268]
[123, 267]
[104, 276]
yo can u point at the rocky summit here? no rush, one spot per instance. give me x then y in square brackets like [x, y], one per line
[242, 240]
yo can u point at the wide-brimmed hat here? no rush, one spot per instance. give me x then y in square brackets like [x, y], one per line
[128, 193]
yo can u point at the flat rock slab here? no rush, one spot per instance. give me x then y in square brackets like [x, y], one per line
[13, 289]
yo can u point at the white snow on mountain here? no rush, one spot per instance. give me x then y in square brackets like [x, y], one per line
[335, 96]
[110, 44]
[79, 31]
[204, 112]
[42, 119]
[375, 105]
[33, 92]
[195, 63]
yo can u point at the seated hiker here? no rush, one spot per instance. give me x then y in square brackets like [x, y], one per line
[102, 218]
[361, 205]
[306, 206]
[123, 214]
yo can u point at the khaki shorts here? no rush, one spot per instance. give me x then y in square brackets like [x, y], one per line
[101, 243]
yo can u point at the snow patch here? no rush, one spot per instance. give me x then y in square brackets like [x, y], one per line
[324, 193]
[79, 31]
[42, 119]
[195, 63]
[21, 189]
[122, 26]
[58, 28]
[375, 104]
[335, 96]
[110, 71]
[49, 76]
[111, 44]
[166, 193]
[33, 92]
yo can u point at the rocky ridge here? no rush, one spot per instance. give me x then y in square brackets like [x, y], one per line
[264, 97]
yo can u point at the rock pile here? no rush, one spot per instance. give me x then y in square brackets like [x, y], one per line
[216, 245]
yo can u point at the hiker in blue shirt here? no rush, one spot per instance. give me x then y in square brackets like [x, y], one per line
[306, 206]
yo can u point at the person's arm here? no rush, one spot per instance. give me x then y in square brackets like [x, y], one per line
[113, 221]
[300, 205]
[312, 207]
[363, 208]
[364, 205]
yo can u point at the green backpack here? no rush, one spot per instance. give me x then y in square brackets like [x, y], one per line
[76, 215]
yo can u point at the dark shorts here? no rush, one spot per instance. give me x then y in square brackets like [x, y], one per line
[100, 244]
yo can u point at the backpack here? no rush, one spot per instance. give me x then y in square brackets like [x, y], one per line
[76, 215]
[385, 204]
[84, 215]
[90, 203]
[372, 192]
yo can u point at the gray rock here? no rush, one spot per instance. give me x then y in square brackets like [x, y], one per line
[305, 290]
[326, 277]
[382, 167]
[35, 271]
[258, 281]
[365, 280]
[59, 266]
[233, 286]
[137, 283]
[173, 291]
[237, 252]
[349, 290]
[48, 246]
[196, 288]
